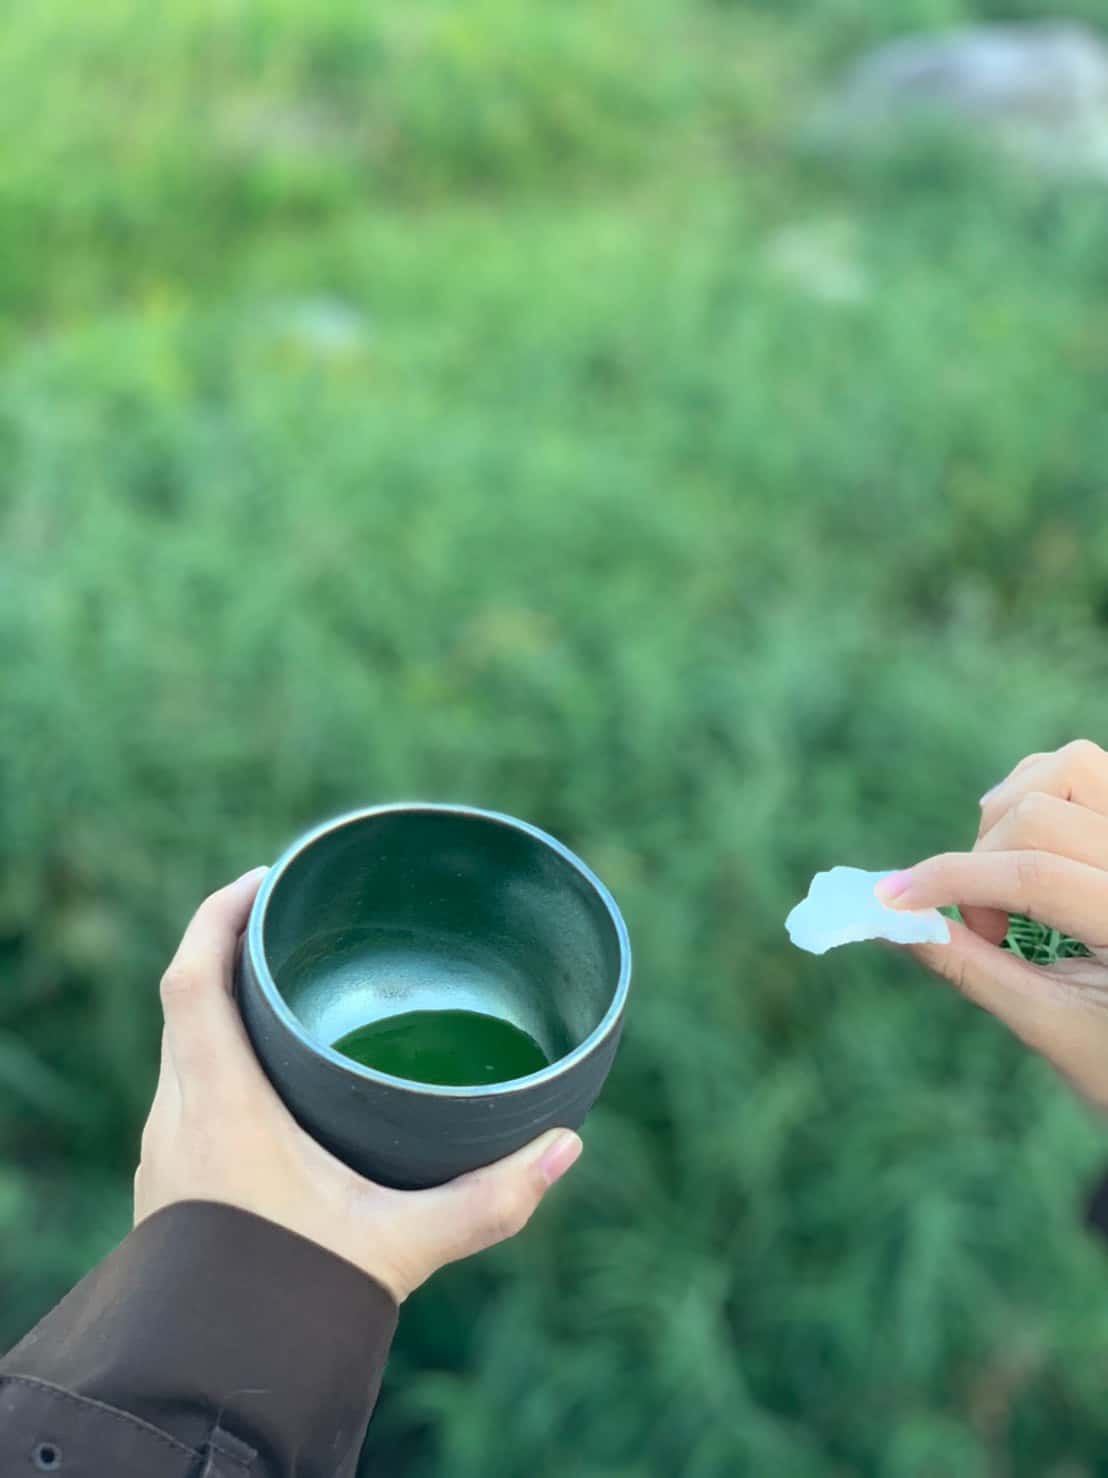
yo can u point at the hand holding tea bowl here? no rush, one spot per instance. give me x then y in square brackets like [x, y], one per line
[217, 1131]
[246, 1319]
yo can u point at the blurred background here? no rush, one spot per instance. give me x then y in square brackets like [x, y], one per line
[680, 423]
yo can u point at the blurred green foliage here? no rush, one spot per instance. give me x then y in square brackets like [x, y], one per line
[491, 402]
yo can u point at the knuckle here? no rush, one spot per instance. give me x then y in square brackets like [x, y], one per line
[209, 904]
[1031, 871]
[511, 1210]
[943, 868]
[204, 916]
[1083, 754]
[1030, 814]
[177, 982]
[966, 983]
[215, 906]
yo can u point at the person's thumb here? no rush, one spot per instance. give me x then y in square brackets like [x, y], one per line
[494, 1203]
[202, 1027]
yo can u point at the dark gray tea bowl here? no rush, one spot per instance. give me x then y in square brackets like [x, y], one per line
[369, 923]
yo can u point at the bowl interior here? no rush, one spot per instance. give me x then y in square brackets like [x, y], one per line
[432, 910]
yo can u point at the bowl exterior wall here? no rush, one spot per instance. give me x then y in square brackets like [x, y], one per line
[407, 1137]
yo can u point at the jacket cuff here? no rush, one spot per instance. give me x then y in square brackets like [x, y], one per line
[206, 1316]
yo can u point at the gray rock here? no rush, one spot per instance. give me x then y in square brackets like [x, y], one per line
[1039, 90]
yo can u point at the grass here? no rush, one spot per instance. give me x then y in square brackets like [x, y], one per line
[438, 402]
[1041, 944]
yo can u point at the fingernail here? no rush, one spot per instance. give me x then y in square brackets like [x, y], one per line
[990, 792]
[560, 1156]
[894, 886]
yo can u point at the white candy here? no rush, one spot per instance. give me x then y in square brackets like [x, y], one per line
[841, 908]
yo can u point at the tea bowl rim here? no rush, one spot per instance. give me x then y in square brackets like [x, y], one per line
[253, 945]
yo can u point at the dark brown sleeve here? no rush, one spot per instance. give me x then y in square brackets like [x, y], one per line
[210, 1344]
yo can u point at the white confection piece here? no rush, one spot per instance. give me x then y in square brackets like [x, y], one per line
[841, 908]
